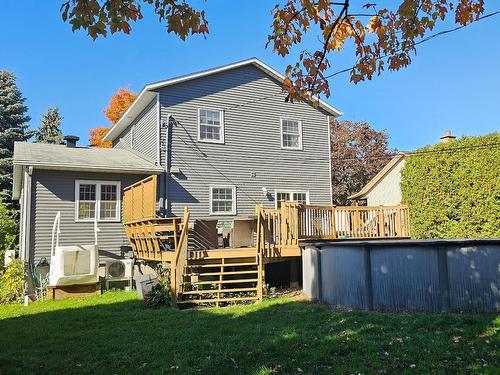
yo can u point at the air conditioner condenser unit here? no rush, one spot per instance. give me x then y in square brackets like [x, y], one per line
[119, 270]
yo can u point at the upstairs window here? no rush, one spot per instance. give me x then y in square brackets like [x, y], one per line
[222, 200]
[291, 134]
[101, 198]
[210, 126]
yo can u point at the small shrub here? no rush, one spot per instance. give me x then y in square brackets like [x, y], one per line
[8, 232]
[159, 295]
[12, 282]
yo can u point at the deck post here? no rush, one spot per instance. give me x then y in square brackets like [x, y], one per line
[260, 258]
[381, 231]
[173, 290]
[333, 223]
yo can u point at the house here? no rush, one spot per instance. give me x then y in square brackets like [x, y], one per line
[384, 188]
[219, 141]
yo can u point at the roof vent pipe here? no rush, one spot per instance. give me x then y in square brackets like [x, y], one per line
[447, 137]
[71, 140]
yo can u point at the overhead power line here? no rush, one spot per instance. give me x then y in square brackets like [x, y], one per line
[424, 40]
[310, 160]
[257, 100]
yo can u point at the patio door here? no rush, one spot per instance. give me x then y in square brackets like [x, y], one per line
[291, 196]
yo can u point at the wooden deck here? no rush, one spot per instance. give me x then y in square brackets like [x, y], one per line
[202, 276]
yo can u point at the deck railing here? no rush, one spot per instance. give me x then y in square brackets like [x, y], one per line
[139, 200]
[295, 221]
[331, 222]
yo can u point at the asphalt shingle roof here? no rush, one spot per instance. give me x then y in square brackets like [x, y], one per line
[50, 156]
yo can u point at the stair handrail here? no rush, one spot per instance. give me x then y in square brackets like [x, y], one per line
[56, 230]
[180, 259]
[261, 243]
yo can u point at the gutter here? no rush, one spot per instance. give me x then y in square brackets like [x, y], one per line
[89, 168]
[167, 165]
[26, 222]
[158, 134]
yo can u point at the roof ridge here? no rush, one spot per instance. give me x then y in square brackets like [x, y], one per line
[149, 91]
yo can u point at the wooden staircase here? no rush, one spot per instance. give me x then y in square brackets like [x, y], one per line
[221, 278]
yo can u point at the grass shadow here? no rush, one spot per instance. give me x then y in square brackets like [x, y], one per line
[116, 334]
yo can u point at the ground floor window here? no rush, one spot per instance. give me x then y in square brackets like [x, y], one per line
[291, 196]
[223, 200]
[101, 198]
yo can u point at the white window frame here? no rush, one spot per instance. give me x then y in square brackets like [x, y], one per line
[212, 187]
[221, 115]
[299, 148]
[98, 184]
[291, 192]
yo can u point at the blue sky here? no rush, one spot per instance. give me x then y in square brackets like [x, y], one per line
[453, 82]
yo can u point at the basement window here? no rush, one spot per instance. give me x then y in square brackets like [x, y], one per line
[101, 198]
[210, 126]
[222, 200]
[291, 134]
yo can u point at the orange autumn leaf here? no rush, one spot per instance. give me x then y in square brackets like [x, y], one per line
[118, 104]
[96, 136]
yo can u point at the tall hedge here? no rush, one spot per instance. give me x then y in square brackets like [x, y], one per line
[453, 189]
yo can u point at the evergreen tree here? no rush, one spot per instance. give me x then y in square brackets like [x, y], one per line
[13, 127]
[49, 131]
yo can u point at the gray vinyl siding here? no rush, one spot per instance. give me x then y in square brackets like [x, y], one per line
[253, 105]
[54, 191]
[146, 133]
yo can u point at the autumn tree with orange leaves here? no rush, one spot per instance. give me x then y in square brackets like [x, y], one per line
[384, 36]
[96, 136]
[118, 105]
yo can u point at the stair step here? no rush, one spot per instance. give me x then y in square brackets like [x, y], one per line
[214, 300]
[222, 265]
[212, 291]
[241, 281]
[221, 273]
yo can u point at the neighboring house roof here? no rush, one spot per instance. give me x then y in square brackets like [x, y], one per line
[378, 177]
[147, 93]
[89, 159]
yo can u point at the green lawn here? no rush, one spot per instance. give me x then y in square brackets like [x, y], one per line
[116, 334]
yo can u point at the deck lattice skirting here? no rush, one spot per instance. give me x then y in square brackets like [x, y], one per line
[225, 275]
